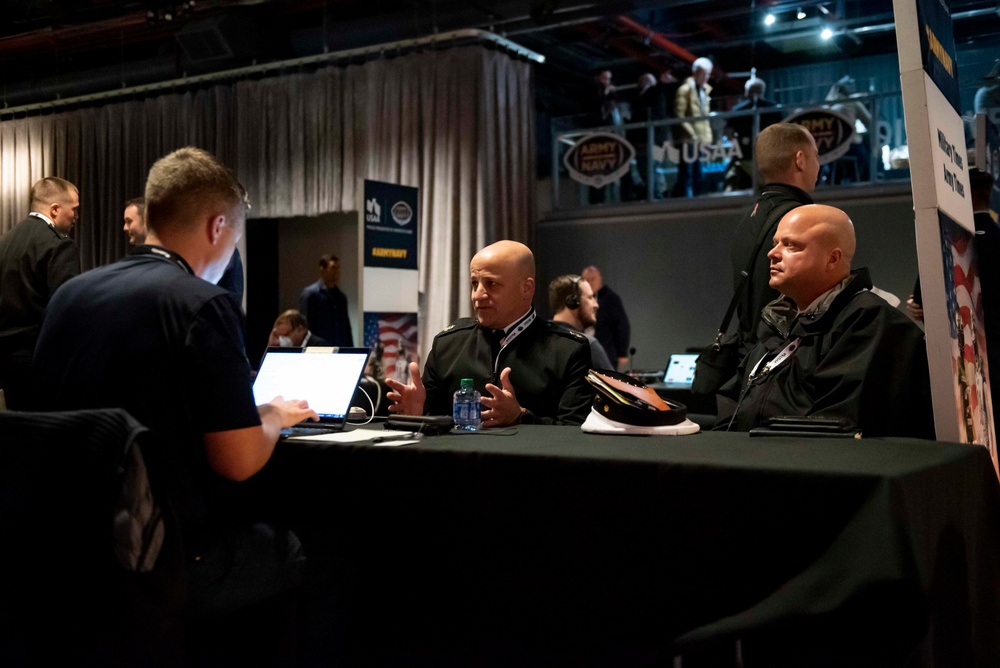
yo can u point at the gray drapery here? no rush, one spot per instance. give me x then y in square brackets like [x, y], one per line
[457, 123]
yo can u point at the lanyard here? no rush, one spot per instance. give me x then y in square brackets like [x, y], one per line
[509, 337]
[780, 358]
[164, 254]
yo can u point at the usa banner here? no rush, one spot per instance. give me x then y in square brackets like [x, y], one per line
[390, 222]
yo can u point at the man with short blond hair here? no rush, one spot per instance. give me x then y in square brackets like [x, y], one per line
[181, 371]
[36, 257]
[829, 347]
[526, 369]
[788, 162]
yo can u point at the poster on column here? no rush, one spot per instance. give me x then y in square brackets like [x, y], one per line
[944, 225]
[389, 277]
[393, 339]
[967, 334]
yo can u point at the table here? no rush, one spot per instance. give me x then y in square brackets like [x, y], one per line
[551, 547]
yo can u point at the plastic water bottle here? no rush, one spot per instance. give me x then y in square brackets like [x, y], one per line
[465, 408]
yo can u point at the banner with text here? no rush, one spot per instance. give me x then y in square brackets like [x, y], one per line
[944, 226]
[390, 216]
[389, 279]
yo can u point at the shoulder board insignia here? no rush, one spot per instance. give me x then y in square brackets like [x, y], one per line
[458, 325]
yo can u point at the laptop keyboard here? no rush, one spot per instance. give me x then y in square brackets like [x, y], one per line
[307, 431]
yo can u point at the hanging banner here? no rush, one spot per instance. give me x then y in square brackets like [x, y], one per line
[944, 225]
[599, 158]
[389, 280]
[832, 131]
[390, 216]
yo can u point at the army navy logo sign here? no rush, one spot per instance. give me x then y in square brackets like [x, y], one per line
[832, 131]
[598, 159]
[402, 213]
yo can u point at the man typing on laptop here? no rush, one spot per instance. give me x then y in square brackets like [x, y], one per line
[153, 334]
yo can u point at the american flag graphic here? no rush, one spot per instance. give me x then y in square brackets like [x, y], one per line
[394, 338]
[963, 293]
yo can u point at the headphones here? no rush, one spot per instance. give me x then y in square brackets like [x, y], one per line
[572, 300]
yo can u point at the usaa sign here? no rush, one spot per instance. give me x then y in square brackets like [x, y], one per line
[832, 131]
[598, 159]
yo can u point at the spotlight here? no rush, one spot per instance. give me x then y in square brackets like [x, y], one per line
[826, 34]
[800, 14]
[769, 20]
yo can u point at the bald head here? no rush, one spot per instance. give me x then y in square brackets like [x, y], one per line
[786, 153]
[813, 249]
[512, 254]
[593, 276]
[503, 283]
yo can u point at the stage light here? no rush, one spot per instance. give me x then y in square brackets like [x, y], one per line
[769, 20]
[800, 14]
[826, 34]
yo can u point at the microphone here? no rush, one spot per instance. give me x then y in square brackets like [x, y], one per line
[631, 364]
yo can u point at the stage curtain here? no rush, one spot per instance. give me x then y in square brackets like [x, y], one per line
[458, 123]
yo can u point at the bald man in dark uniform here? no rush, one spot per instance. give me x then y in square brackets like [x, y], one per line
[527, 369]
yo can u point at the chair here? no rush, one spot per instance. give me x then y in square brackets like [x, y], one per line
[92, 570]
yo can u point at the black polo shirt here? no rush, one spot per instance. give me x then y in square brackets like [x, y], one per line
[147, 335]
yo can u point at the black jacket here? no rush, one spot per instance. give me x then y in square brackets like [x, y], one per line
[613, 329]
[34, 261]
[548, 369]
[859, 358]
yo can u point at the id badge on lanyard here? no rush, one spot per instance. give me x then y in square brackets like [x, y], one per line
[779, 359]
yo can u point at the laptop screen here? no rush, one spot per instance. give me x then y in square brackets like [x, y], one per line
[325, 377]
[680, 371]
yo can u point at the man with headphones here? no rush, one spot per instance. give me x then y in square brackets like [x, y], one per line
[574, 307]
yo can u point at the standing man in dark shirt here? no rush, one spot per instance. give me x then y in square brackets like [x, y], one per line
[788, 162]
[325, 306]
[36, 257]
[181, 371]
[612, 329]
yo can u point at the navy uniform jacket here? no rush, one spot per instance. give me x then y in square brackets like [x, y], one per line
[35, 259]
[548, 369]
[859, 359]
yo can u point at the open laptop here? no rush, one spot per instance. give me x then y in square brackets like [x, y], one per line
[325, 377]
[679, 373]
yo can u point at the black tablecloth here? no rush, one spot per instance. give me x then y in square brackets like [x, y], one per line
[553, 547]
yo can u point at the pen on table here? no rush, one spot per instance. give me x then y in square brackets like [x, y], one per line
[398, 437]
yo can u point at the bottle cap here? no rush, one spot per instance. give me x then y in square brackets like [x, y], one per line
[466, 383]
